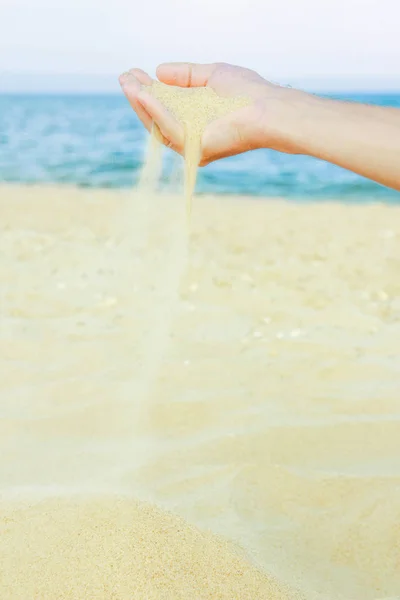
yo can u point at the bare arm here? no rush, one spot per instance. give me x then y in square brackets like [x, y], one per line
[361, 138]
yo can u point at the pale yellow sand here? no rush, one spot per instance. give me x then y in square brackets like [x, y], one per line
[115, 548]
[253, 391]
[194, 108]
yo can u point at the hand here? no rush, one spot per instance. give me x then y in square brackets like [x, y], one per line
[261, 124]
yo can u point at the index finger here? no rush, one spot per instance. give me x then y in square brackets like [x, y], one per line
[185, 74]
[131, 86]
[170, 128]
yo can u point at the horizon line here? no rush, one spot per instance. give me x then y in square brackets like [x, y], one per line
[85, 83]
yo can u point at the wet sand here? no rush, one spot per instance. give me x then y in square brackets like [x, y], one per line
[211, 416]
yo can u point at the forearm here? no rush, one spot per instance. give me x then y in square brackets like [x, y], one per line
[361, 138]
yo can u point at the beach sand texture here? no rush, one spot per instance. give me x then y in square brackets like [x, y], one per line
[155, 396]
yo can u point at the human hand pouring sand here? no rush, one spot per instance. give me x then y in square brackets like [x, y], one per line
[207, 112]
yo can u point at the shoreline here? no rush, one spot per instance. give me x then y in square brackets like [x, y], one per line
[302, 200]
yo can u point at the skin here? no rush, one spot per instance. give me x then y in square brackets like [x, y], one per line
[361, 138]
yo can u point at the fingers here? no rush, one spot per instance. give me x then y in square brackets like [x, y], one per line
[185, 74]
[131, 86]
[169, 127]
[141, 76]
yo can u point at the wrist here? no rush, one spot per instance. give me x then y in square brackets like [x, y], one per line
[285, 120]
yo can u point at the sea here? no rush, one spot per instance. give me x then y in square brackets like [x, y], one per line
[97, 141]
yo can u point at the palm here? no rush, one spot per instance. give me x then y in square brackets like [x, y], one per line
[230, 135]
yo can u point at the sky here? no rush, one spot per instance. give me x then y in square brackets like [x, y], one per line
[85, 44]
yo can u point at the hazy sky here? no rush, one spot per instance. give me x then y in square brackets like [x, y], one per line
[283, 39]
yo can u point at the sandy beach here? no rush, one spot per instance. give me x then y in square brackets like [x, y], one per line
[212, 415]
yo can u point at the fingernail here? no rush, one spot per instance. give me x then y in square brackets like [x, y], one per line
[125, 77]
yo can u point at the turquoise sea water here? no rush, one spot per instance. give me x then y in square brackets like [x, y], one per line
[97, 141]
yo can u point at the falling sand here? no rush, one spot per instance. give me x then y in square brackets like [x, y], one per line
[194, 108]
